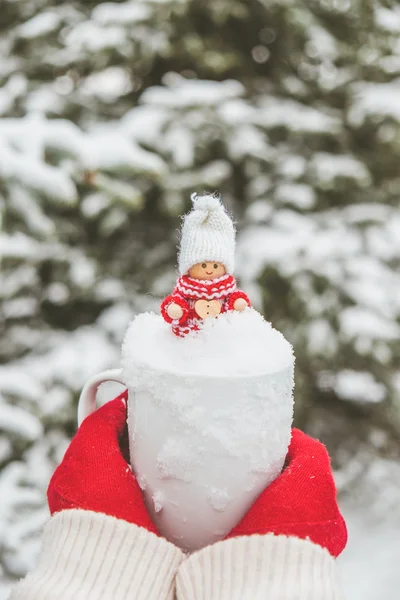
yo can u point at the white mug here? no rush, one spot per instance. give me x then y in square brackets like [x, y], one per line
[202, 448]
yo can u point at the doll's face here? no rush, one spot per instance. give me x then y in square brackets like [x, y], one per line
[207, 270]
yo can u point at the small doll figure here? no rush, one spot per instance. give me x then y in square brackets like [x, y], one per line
[206, 286]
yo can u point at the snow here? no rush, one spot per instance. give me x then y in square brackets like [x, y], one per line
[36, 175]
[94, 204]
[340, 297]
[57, 293]
[46, 100]
[300, 195]
[90, 36]
[158, 499]
[182, 93]
[370, 100]
[376, 294]
[293, 167]
[142, 482]
[37, 377]
[107, 85]
[359, 321]
[23, 143]
[175, 459]
[180, 144]
[259, 211]
[18, 422]
[260, 246]
[111, 13]
[254, 346]
[384, 241]
[247, 140]
[18, 245]
[40, 25]
[211, 427]
[388, 19]
[58, 402]
[20, 308]
[390, 64]
[13, 89]
[11, 282]
[359, 387]
[62, 363]
[111, 288]
[109, 150]
[328, 167]
[280, 112]
[219, 499]
[369, 565]
[321, 338]
[19, 530]
[36, 398]
[6, 450]
[145, 123]
[322, 44]
[320, 243]
[31, 212]
[236, 111]
[290, 220]
[33, 134]
[83, 272]
[291, 245]
[364, 213]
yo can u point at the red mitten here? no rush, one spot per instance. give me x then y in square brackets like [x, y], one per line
[175, 299]
[301, 502]
[235, 296]
[94, 474]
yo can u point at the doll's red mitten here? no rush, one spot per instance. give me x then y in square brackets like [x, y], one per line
[301, 502]
[94, 474]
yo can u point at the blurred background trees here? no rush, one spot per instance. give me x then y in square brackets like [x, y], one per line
[111, 114]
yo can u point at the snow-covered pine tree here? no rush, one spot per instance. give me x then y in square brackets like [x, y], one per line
[111, 114]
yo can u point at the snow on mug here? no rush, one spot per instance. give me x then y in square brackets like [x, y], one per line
[209, 419]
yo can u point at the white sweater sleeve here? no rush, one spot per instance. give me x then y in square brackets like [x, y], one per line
[259, 567]
[90, 555]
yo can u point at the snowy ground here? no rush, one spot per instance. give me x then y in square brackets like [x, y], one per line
[369, 566]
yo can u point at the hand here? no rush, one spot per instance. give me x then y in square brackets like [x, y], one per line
[301, 502]
[240, 304]
[94, 474]
[174, 311]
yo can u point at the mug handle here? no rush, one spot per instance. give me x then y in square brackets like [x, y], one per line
[87, 399]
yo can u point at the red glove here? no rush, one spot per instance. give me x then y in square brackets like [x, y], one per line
[95, 475]
[301, 502]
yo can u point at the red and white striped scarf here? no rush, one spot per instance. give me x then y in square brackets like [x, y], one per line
[202, 288]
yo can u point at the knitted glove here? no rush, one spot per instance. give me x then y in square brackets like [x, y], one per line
[301, 502]
[230, 303]
[94, 474]
[175, 298]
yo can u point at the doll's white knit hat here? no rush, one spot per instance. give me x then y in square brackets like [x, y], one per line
[208, 233]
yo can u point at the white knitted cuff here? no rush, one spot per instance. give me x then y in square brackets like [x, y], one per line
[90, 555]
[259, 568]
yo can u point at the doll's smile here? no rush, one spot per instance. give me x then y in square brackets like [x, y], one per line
[207, 270]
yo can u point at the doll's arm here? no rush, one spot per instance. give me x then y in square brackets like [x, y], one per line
[175, 298]
[238, 295]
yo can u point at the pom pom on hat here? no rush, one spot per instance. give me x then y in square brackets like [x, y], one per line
[206, 203]
[208, 233]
